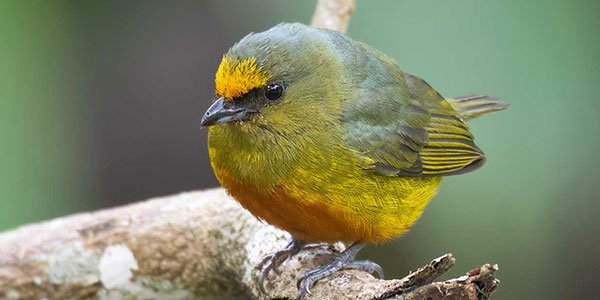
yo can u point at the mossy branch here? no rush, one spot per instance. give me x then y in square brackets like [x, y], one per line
[198, 245]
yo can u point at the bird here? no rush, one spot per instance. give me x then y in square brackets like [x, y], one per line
[327, 138]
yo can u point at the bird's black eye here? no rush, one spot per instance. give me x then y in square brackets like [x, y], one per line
[274, 91]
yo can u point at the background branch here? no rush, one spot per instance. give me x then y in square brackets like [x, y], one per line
[333, 14]
[196, 245]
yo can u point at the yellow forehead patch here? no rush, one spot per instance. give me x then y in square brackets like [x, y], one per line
[235, 78]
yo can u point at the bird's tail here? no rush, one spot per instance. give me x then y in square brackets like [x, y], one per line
[471, 107]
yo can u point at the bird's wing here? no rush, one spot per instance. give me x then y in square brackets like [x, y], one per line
[406, 128]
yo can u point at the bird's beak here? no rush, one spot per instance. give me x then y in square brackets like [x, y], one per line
[222, 112]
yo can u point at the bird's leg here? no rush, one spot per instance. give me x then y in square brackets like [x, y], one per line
[274, 260]
[341, 261]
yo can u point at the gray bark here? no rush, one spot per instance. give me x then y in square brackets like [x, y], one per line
[198, 245]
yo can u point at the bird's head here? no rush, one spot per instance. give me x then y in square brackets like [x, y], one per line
[277, 79]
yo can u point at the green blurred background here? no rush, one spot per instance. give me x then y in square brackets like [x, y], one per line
[100, 105]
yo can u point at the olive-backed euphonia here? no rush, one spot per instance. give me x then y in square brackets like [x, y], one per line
[327, 138]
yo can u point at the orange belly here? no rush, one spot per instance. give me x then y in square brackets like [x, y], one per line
[305, 220]
[313, 219]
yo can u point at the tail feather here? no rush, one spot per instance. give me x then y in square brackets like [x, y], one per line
[470, 107]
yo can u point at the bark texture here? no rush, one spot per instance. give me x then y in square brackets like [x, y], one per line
[198, 245]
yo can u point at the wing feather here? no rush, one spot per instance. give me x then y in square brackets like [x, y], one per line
[401, 126]
[417, 133]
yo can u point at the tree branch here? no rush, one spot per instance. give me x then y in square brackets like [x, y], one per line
[190, 246]
[197, 245]
[333, 14]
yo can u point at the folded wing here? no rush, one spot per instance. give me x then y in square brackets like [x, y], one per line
[405, 128]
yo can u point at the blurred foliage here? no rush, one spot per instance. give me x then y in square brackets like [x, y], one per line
[533, 208]
[38, 124]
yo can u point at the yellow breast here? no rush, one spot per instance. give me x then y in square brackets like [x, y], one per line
[325, 196]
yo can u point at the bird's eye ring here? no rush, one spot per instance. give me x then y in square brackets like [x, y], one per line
[274, 91]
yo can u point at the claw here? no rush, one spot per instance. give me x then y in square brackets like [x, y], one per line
[303, 289]
[365, 265]
[342, 261]
[272, 262]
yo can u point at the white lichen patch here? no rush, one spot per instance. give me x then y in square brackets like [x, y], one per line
[73, 264]
[116, 266]
[12, 294]
[37, 280]
[148, 289]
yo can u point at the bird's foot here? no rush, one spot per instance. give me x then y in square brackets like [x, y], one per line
[272, 261]
[341, 261]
